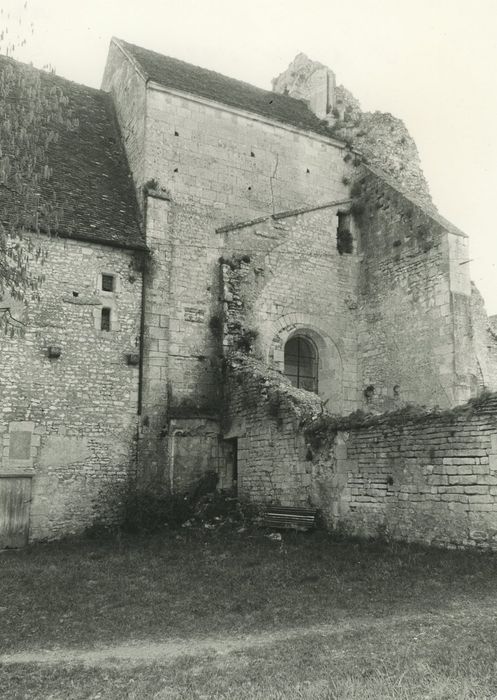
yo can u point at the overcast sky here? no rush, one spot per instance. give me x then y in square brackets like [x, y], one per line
[433, 63]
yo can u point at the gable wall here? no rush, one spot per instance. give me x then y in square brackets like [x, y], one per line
[128, 89]
[77, 412]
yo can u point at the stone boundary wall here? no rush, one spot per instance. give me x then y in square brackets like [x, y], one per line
[433, 481]
[408, 475]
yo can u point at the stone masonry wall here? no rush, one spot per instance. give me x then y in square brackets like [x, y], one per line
[428, 478]
[70, 422]
[272, 288]
[414, 301]
[263, 413]
[433, 481]
[485, 343]
[213, 166]
[219, 167]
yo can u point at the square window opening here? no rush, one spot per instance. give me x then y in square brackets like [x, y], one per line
[107, 283]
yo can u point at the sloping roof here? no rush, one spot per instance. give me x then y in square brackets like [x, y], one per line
[90, 178]
[185, 77]
[426, 208]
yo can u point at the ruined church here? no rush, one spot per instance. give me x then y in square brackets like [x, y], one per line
[232, 264]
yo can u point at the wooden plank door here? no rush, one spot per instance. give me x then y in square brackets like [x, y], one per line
[15, 497]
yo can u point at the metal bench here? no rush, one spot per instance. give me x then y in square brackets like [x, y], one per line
[289, 517]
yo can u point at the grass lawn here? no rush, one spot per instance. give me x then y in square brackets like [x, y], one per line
[310, 617]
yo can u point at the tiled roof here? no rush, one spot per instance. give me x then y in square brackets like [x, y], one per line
[90, 175]
[185, 77]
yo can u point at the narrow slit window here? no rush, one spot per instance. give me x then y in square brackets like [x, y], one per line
[105, 319]
[107, 283]
[345, 242]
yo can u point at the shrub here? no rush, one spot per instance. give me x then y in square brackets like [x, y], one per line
[357, 209]
[246, 340]
[356, 189]
[148, 510]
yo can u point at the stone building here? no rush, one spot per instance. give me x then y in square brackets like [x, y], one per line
[204, 218]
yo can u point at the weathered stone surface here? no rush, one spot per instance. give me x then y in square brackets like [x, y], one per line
[382, 138]
[372, 480]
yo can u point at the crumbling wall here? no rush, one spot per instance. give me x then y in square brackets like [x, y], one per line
[415, 338]
[485, 343]
[382, 139]
[271, 291]
[263, 413]
[410, 474]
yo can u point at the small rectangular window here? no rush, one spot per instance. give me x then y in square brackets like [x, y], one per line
[107, 283]
[105, 319]
[345, 242]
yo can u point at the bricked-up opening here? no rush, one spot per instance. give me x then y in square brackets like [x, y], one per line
[105, 319]
[345, 242]
[107, 283]
[301, 363]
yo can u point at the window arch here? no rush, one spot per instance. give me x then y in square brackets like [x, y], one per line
[301, 363]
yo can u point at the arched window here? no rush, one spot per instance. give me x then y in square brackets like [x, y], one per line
[301, 363]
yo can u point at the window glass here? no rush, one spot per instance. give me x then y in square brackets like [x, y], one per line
[301, 363]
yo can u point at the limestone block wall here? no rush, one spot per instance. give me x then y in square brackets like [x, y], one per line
[69, 422]
[433, 481]
[414, 302]
[425, 478]
[284, 276]
[217, 166]
[236, 163]
[123, 79]
[220, 167]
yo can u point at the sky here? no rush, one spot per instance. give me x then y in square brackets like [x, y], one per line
[432, 63]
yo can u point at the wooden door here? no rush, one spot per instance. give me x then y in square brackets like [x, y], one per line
[15, 497]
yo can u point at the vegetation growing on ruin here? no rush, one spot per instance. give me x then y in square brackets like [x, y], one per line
[321, 430]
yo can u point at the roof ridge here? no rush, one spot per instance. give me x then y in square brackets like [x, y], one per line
[202, 68]
[177, 74]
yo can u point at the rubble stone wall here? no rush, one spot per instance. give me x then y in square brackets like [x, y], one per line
[70, 422]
